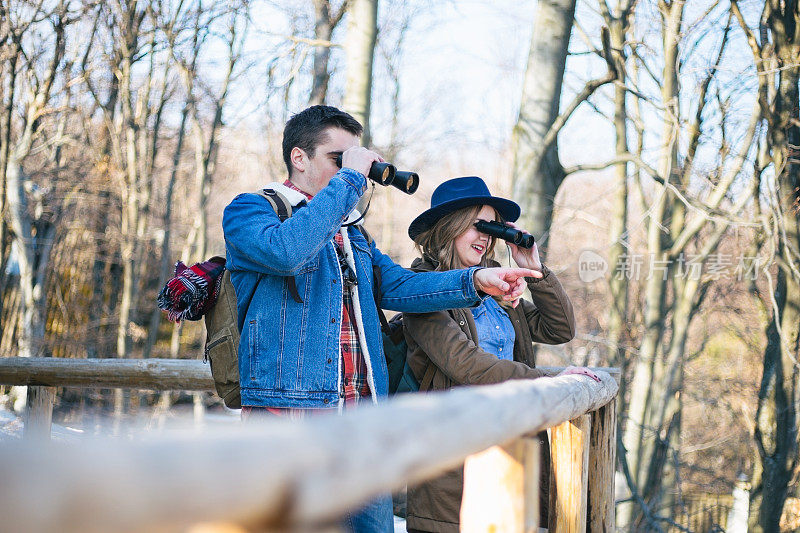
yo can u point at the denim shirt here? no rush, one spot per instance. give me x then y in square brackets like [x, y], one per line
[495, 330]
[289, 351]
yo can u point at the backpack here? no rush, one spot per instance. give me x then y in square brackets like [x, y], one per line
[222, 344]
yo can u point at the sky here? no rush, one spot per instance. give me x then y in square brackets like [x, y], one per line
[462, 65]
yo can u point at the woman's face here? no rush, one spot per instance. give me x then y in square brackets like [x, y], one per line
[471, 245]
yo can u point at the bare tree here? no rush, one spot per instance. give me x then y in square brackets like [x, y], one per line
[776, 53]
[618, 21]
[126, 77]
[688, 209]
[678, 225]
[32, 233]
[537, 171]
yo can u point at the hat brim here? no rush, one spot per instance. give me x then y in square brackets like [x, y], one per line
[508, 210]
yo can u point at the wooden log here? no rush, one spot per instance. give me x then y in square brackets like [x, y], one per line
[39, 413]
[569, 449]
[148, 374]
[602, 465]
[501, 489]
[280, 473]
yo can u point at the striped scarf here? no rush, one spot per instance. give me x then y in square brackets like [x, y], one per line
[193, 291]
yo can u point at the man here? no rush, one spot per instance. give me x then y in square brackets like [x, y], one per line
[310, 334]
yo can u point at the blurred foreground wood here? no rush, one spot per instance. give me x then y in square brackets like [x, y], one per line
[501, 487]
[570, 475]
[280, 475]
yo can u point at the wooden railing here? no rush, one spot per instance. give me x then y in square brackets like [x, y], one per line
[283, 475]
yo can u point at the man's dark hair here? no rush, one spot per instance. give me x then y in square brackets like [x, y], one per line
[305, 130]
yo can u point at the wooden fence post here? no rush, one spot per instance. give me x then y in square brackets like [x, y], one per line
[39, 412]
[501, 489]
[602, 464]
[569, 449]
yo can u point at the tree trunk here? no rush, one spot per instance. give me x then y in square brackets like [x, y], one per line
[775, 53]
[32, 321]
[362, 31]
[664, 409]
[166, 260]
[618, 25]
[129, 159]
[10, 72]
[32, 243]
[776, 416]
[537, 171]
[324, 24]
[638, 439]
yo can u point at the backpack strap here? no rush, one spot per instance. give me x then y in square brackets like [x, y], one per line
[376, 285]
[427, 379]
[279, 202]
[365, 233]
[283, 208]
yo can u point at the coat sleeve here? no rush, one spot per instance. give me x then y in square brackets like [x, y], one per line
[256, 240]
[550, 317]
[421, 292]
[439, 337]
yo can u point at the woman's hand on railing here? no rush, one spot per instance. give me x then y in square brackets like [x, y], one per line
[579, 370]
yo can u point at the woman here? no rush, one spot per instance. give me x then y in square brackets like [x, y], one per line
[487, 344]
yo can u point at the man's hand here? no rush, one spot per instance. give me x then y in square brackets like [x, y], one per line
[506, 282]
[580, 371]
[360, 159]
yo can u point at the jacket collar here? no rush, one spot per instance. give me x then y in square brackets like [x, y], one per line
[422, 265]
[425, 264]
[295, 197]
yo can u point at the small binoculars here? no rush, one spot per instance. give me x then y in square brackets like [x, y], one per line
[507, 233]
[387, 174]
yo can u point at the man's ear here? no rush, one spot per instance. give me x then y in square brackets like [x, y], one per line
[298, 159]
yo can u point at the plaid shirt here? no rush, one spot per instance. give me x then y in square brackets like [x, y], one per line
[354, 384]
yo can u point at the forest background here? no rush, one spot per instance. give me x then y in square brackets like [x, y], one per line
[651, 143]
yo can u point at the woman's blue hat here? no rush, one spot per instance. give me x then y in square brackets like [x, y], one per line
[456, 193]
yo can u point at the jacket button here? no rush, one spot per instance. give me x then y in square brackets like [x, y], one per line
[330, 360]
[326, 401]
[333, 321]
[461, 323]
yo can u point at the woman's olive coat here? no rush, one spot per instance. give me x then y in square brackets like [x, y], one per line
[444, 345]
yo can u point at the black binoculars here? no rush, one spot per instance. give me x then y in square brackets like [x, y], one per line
[386, 174]
[507, 233]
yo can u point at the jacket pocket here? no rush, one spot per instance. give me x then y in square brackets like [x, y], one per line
[311, 265]
[363, 254]
[221, 352]
[361, 246]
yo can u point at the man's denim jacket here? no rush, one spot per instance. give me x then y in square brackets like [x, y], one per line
[289, 351]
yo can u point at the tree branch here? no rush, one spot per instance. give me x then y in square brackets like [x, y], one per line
[582, 96]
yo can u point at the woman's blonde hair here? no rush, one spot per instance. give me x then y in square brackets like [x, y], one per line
[437, 244]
